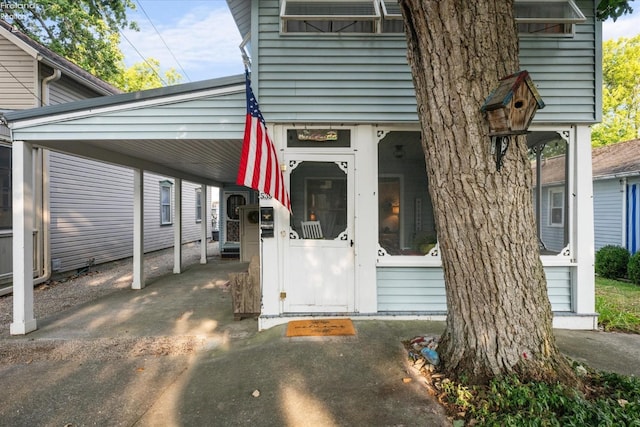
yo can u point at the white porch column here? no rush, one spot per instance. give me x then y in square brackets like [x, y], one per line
[177, 227]
[138, 229]
[583, 220]
[23, 223]
[204, 200]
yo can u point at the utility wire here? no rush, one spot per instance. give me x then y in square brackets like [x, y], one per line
[21, 83]
[163, 41]
[164, 83]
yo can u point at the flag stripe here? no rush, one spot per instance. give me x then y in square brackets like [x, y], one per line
[259, 167]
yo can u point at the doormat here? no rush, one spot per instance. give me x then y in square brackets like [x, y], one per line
[320, 328]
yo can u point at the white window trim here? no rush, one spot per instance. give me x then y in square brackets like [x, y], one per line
[168, 185]
[198, 205]
[551, 192]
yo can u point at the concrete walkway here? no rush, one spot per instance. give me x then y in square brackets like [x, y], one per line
[172, 355]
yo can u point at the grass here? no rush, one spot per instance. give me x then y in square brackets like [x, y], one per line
[618, 305]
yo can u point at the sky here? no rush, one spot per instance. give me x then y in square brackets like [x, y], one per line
[203, 41]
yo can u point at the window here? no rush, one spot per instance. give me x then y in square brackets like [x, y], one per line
[166, 206]
[391, 17]
[556, 207]
[353, 16]
[319, 200]
[406, 223]
[198, 205]
[548, 18]
[5, 187]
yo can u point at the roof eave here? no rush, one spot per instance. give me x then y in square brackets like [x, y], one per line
[121, 99]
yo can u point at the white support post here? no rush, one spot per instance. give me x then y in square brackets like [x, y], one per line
[23, 222]
[204, 200]
[177, 227]
[138, 229]
[583, 217]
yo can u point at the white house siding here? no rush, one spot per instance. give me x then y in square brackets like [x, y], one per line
[422, 289]
[17, 79]
[608, 212]
[92, 213]
[315, 78]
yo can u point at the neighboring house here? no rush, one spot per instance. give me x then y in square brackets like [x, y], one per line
[83, 208]
[616, 195]
[341, 109]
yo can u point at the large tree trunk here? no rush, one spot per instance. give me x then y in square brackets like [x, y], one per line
[499, 317]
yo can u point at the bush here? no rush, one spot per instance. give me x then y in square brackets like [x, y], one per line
[633, 268]
[612, 261]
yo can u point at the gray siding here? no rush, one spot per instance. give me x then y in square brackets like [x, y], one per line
[607, 213]
[564, 70]
[314, 78]
[215, 117]
[66, 90]
[92, 212]
[18, 89]
[422, 289]
[411, 289]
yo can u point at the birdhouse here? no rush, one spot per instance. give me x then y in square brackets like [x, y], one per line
[511, 106]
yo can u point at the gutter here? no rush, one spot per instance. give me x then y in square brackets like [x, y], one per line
[42, 173]
[617, 175]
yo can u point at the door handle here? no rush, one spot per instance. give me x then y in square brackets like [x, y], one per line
[351, 242]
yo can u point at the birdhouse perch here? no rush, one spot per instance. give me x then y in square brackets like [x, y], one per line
[510, 108]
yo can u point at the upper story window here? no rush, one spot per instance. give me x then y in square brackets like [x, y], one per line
[547, 18]
[331, 17]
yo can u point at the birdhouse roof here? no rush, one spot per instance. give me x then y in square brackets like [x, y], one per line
[502, 95]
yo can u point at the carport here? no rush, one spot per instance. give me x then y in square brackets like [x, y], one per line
[189, 132]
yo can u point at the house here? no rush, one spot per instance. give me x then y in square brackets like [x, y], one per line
[337, 93]
[83, 208]
[616, 195]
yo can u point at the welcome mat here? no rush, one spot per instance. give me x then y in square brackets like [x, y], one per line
[320, 328]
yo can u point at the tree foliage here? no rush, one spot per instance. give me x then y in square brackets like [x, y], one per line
[613, 9]
[620, 92]
[146, 75]
[83, 31]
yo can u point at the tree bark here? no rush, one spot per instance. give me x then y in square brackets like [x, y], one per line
[499, 318]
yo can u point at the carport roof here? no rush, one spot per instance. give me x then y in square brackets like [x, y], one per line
[191, 131]
[124, 98]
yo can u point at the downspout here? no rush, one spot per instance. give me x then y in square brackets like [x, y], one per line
[43, 165]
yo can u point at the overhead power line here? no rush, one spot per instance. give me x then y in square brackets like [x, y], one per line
[163, 41]
[164, 83]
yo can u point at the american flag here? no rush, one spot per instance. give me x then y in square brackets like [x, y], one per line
[259, 166]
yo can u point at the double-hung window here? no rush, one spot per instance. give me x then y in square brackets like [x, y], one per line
[198, 205]
[166, 205]
[556, 207]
